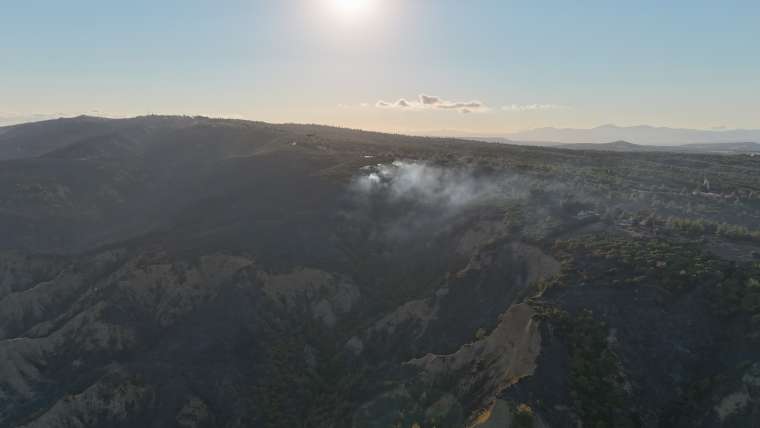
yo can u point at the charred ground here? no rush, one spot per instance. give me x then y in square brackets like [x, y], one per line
[179, 271]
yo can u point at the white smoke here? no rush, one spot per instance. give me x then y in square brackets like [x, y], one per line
[413, 200]
[406, 200]
[420, 183]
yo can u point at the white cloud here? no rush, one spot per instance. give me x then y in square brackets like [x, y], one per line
[403, 103]
[431, 102]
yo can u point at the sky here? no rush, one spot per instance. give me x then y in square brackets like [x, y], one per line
[476, 66]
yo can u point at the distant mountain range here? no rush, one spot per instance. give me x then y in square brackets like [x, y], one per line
[647, 135]
[640, 135]
[625, 146]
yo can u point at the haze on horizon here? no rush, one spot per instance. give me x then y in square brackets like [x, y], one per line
[485, 67]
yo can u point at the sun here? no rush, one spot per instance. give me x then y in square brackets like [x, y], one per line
[353, 10]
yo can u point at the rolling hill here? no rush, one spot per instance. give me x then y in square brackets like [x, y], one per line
[193, 272]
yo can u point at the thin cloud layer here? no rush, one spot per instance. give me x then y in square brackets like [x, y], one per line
[7, 118]
[431, 102]
[532, 107]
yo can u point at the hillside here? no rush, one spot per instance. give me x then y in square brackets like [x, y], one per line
[193, 272]
[615, 146]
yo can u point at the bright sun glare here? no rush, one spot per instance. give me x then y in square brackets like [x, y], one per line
[353, 10]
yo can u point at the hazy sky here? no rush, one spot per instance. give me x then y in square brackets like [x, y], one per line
[495, 65]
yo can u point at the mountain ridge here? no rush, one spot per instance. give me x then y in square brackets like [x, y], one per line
[640, 137]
